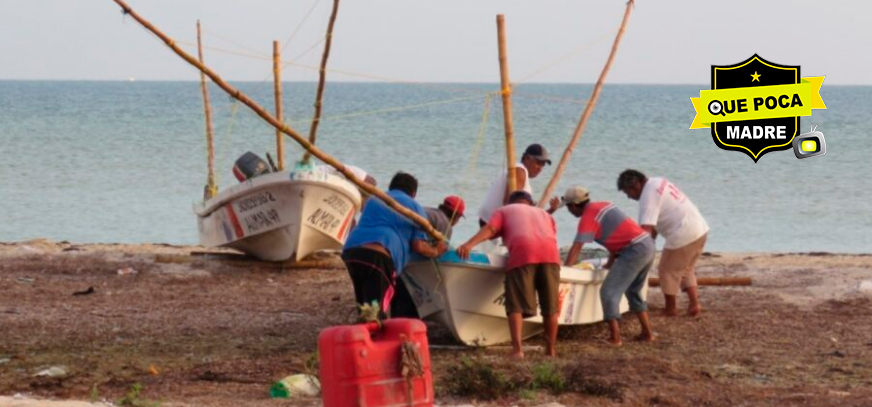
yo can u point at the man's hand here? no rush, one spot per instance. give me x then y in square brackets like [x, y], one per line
[610, 261]
[651, 231]
[554, 204]
[463, 251]
[441, 248]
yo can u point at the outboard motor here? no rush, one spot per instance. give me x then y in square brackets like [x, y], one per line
[250, 165]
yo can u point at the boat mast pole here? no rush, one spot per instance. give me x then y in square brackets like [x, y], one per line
[507, 106]
[322, 78]
[588, 110]
[277, 79]
[211, 187]
[260, 111]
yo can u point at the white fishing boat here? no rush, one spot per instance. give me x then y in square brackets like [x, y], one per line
[281, 216]
[468, 297]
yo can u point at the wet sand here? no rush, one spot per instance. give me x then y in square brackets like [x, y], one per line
[218, 334]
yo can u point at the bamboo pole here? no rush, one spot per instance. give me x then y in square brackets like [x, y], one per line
[260, 111]
[322, 79]
[711, 281]
[507, 105]
[588, 110]
[277, 79]
[211, 187]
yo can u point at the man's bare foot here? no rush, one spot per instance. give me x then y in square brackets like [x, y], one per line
[551, 353]
[670, 312]
[645, 337]
[694, 311]
[516, 355]
[614, 342]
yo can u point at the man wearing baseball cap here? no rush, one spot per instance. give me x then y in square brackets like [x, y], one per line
[447, 214]
[534, 159]
[533, 266]
[443, 218]
[631, 254]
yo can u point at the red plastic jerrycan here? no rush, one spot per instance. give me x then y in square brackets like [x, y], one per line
[361, 365]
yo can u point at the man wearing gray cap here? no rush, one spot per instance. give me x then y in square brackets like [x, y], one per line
[534, 159]
[631, 253]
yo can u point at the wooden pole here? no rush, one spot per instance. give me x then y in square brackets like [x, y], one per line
[260, 111]
[588, 110]
[507, 105]
[711, 281]
[211, 187]
[322, 78]
[277, 76]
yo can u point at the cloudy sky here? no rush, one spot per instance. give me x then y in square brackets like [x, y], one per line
[668, 41]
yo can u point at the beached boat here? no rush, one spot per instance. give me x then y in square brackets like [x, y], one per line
[281, 216]
[467, 296]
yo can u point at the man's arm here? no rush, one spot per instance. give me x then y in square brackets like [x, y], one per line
[610, 261]
[574, 251]
[554, 204]
[485, 233]
[651, 231]
[425, 249]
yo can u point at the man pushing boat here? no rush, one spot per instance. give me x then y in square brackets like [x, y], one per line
[533, 266]
[379, 247]
[665, 210]
[631, 254]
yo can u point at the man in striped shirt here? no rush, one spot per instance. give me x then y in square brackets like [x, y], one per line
[631, 253]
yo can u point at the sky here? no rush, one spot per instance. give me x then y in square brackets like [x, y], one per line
[667, 41]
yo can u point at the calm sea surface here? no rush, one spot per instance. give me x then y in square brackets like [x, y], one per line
[126, 161]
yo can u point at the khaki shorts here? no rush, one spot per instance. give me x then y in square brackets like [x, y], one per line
[677, 266]
[523, 283]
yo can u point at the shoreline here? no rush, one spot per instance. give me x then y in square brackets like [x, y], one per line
[219, 333]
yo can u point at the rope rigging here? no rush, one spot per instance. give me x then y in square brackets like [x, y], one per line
[251, 53]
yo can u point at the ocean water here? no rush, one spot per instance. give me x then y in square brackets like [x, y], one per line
[126, 161]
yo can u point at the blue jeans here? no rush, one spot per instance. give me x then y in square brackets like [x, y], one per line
[627, 276]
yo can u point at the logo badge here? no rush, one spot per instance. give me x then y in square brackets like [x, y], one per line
[754, 106]
[811, 144]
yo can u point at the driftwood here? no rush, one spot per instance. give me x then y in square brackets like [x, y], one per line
[260, 111]
[322, 78]
[588, 110]
[710, 281]
[507, 105]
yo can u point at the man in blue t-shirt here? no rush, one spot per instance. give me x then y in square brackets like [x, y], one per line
[379, 247]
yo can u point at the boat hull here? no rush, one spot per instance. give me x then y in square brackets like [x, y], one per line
[280, 216]
[468, 298]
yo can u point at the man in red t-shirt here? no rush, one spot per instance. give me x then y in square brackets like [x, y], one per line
[631, 253]
[533, 266]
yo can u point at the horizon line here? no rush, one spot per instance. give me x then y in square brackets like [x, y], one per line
[381, 82]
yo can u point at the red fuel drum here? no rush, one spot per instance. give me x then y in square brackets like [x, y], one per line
[360, 365]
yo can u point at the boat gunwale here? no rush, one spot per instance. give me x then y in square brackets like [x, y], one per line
[205, 208]
[496, 269]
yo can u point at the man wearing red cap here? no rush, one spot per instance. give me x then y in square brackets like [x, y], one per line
[446, 215]
[443, 218]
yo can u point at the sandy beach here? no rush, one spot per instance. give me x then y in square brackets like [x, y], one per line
[195, 331]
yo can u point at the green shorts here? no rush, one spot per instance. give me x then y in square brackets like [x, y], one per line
[523, 283]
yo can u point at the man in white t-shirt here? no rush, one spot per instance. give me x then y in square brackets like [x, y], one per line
[665, 210]
[534, 159]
